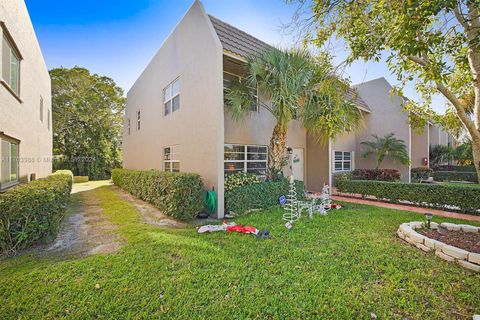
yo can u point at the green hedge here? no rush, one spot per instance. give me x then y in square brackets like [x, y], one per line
[179, 195]
[466, 198]
[236, 180]
[455, 176]
[420, 173]
[454, 168]
[259, 195]
[31, 213]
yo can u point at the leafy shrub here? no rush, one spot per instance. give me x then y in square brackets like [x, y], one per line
[260, 195]
[463, 154]
[466, 198]
[455, 176]
[80, 179]
[440, 154]
[65, 172]
[469, 168]
[420, 173]
[343, 176]
[31, 213]
[176, 194]
[236, 180]
[376, 174]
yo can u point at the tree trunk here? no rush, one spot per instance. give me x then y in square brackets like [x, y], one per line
[276, 152]
[476, 158]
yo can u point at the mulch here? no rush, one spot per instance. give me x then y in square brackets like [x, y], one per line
[464, 240]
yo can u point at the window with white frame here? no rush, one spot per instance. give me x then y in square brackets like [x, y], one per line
[10, 63]
[8, 163]
[171, 162]
[342, 161]
[229, 79]
[245, 158]
[41, 109]
[138, 120]
[171, 97]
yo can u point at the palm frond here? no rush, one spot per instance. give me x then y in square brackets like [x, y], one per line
[386, 147]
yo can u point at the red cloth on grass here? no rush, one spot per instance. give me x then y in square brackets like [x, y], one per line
[242, 229]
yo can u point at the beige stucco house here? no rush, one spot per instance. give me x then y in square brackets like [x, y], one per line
[175, 118]
[25, 99]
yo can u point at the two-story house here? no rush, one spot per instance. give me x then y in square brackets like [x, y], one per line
[25, 99]
[175, 117]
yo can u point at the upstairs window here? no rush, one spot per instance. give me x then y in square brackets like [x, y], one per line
[171, 162]
[10, 64]
[138, 120]
[171, 97]
[48, 119]
[229, 79]
[342, 161]
[41, 109]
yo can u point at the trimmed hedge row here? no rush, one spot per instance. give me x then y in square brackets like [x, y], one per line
[376, 174]
[260, 195]
[454, 168]
[466, 198]
[455, 176]
[176, 194]
[31, 213]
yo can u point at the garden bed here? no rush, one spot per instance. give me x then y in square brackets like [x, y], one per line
[412, 233]
[464, 240]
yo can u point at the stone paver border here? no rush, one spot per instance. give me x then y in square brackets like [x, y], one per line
[466, 259]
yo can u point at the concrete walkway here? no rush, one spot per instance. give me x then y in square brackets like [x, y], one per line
[405, 207]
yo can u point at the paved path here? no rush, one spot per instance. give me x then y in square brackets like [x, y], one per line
[404, 207]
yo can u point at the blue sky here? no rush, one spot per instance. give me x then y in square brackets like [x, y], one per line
[118, 38]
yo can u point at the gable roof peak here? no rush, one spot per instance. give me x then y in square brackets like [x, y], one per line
[237, 41]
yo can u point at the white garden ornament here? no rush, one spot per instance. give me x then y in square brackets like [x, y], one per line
[291, 206]
[294, 208]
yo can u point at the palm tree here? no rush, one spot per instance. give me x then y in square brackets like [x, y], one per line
[386, 147]
[300, 87]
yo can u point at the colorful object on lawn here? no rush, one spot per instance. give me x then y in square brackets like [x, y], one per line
[336, 206]
[282, 200]
[291, 213]
[210, 201]
[233, 227]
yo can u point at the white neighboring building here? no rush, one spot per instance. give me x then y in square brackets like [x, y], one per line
[25, 99]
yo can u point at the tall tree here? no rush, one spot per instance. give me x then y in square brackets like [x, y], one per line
[294, 86]
[87, 121]
[387, 147]
[435, 43]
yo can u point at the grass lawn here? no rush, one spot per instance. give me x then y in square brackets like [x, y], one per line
[471, 185]
[343, 266]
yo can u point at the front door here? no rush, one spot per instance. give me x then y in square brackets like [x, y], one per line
[297, 164]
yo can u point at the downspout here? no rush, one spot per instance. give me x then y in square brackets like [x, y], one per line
[428, 145]
[410, 152]
[330, 162]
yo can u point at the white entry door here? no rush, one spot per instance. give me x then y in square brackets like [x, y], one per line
[297, 164]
